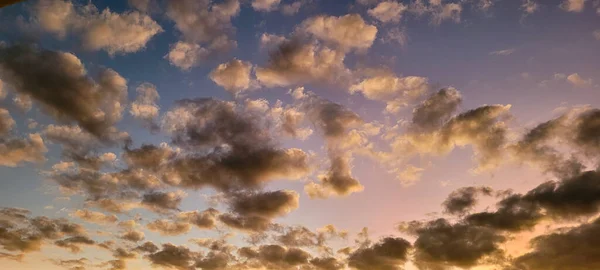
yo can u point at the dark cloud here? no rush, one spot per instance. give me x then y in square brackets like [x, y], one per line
[240, 151]
[74, 243]
[268, 204]
[59, 82]
[147, 247]
[162, 201]
[171, 256]
[246, 223]
[464, 199]
[327, 263]
[277, 257]
[214, 260]
[387, 254]
[442, 245]
[133, 236]
[574, 248]
[513, 214]
[436, 110]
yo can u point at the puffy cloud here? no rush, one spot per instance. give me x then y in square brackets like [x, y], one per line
[439, 11]
[95, 217]
[144, 107]
[169, 228]
[6, 122]
[573, 5]
[147, 247]
[15, 151]
[337, 181]
[348, 31]
[276, 256]
[234, 76]
[133, 236]
[292, 8]
[116, 33]
[248, 224]
[269, 204]
[74, 243]
[388, 11]
[185, 55]
[389, 253]
[397, 92]
[171, 256]
[437, 109]
[295, 62]
[464, 199]
[202, 24]
[59, 81]
[204, 220]
[564, 249]
[576, 80]
[163, 201]
[244, 152]
[265, 5]
[441, 245]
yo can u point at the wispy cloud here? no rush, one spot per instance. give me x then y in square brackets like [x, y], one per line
[503, 52]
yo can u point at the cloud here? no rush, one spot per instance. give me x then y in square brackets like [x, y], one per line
[573, 5]
[144, 107]
[388, 11]
[347, 32]
[205, 28]
[438, 11]
[178, 257]
[432, 113]
[397, 92]
[503, 52]
[576, 80]
[6, 122]
[295, 62]
[116, 33]
[234, 76]
[133, 236]
[530, 6]
[269, 204]
[388, 253]
[276, 256]
[463, 200]
[265, 5]
[163, 201]
[596, 34]
[337, 181]
[15, 151]
[563, 249]
[441, 245]
[203, 220]
[245, 153]
[74, 243]
[397, 35]
[293, 8]
[96, 105]
[169, 228]
[95, 217]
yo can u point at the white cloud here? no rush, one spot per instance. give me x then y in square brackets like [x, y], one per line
[348, 31]
[397, 92]
[186, 55]
[234, 76]
[388, 11]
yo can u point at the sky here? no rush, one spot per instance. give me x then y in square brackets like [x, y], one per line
[300, 134]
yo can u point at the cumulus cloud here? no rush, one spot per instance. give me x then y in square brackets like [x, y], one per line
[171, 256]
[59, 82]
[573, 5]
[144, 107]
[348, 31]
[133, 236]
[15, 151]
[169, 228]
[206, 219]
[388, 253]
[563, 249]
[438, 11]
[441, 244]
[295, 62]
[234, 76]
[95, 217]
[116, 33]
[163, 201]
[578, 81]
[464, 199]
[388, 11]
[205, 27]
[530, 6]
[397, 92]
